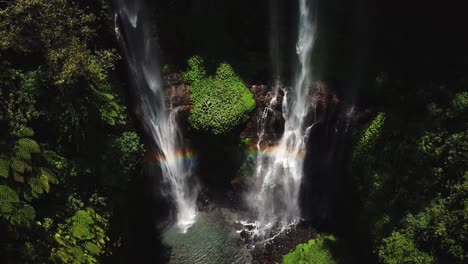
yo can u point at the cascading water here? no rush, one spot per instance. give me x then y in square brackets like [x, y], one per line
[279, 171]
[134, 33]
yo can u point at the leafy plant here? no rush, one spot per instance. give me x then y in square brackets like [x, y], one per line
[398, 249]
[219, 103]
[13, 210]
[368, 139]
[130, 151]
[409, 169]
[29, 163]
[195, 71]
[123, 159]
[321, 250]
[81, 239]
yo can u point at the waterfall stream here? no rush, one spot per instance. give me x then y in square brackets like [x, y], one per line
[134, 34]
[278, 175]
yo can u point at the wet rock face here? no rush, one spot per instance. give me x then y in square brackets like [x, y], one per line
[263, 95]
[178, 100]
[325, 108]
[274, 251]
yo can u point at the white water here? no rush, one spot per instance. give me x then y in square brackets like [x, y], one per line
[279, 171]
[133, 31]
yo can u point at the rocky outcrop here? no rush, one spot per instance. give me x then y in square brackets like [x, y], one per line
[326, 106]
[275, 122]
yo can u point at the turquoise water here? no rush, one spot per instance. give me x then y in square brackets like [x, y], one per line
[211, 240]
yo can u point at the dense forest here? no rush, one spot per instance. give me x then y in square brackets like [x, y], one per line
[119, 119]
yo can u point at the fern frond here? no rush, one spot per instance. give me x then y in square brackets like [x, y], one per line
[22, 153]
[24, 131]
[36, 185]
[15, 219]
[81, 231]
[8, 195]
[80, 256]
[54, 159]
[27, 212]
[18, 165]
[52, 178]
[81, 225]
[23, 215]
[82, 217]
[5, 208]
[4, 168]
[92, 248]
[29, 144]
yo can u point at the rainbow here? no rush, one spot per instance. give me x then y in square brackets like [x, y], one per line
[188, 155]
[271, 152]
[180, 155]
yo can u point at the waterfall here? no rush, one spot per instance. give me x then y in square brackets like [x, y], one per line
[279, 171]
[133, 31]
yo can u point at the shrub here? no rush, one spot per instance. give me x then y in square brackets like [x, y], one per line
[219, 103]
[82, 237]
[317, 251]
[129, 151]
[399, 249]
[368, 139]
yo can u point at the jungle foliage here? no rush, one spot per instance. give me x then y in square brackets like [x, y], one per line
[410, 172]
[61, 120]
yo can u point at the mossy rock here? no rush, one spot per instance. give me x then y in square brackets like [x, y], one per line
[219, 103]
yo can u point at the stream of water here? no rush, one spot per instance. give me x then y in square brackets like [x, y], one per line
[134, 33]
[278, 174]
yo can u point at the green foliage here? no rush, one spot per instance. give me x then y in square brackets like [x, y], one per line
[13, 210]
[369, 181]
[219, 103]
[55, 68]
[123, 160]
[460, 102]
[65, 77]
[398, 249]
[26, 169]
[8, 195]
[448, 151]
[28, 145]
[246, 142]
[81, 239]
[440, 227]
[24, 132]
[321, 250]
[410, 175]
[19, 99]
[368, 139]
[130, 151]
[195, 71]
[4, 168]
